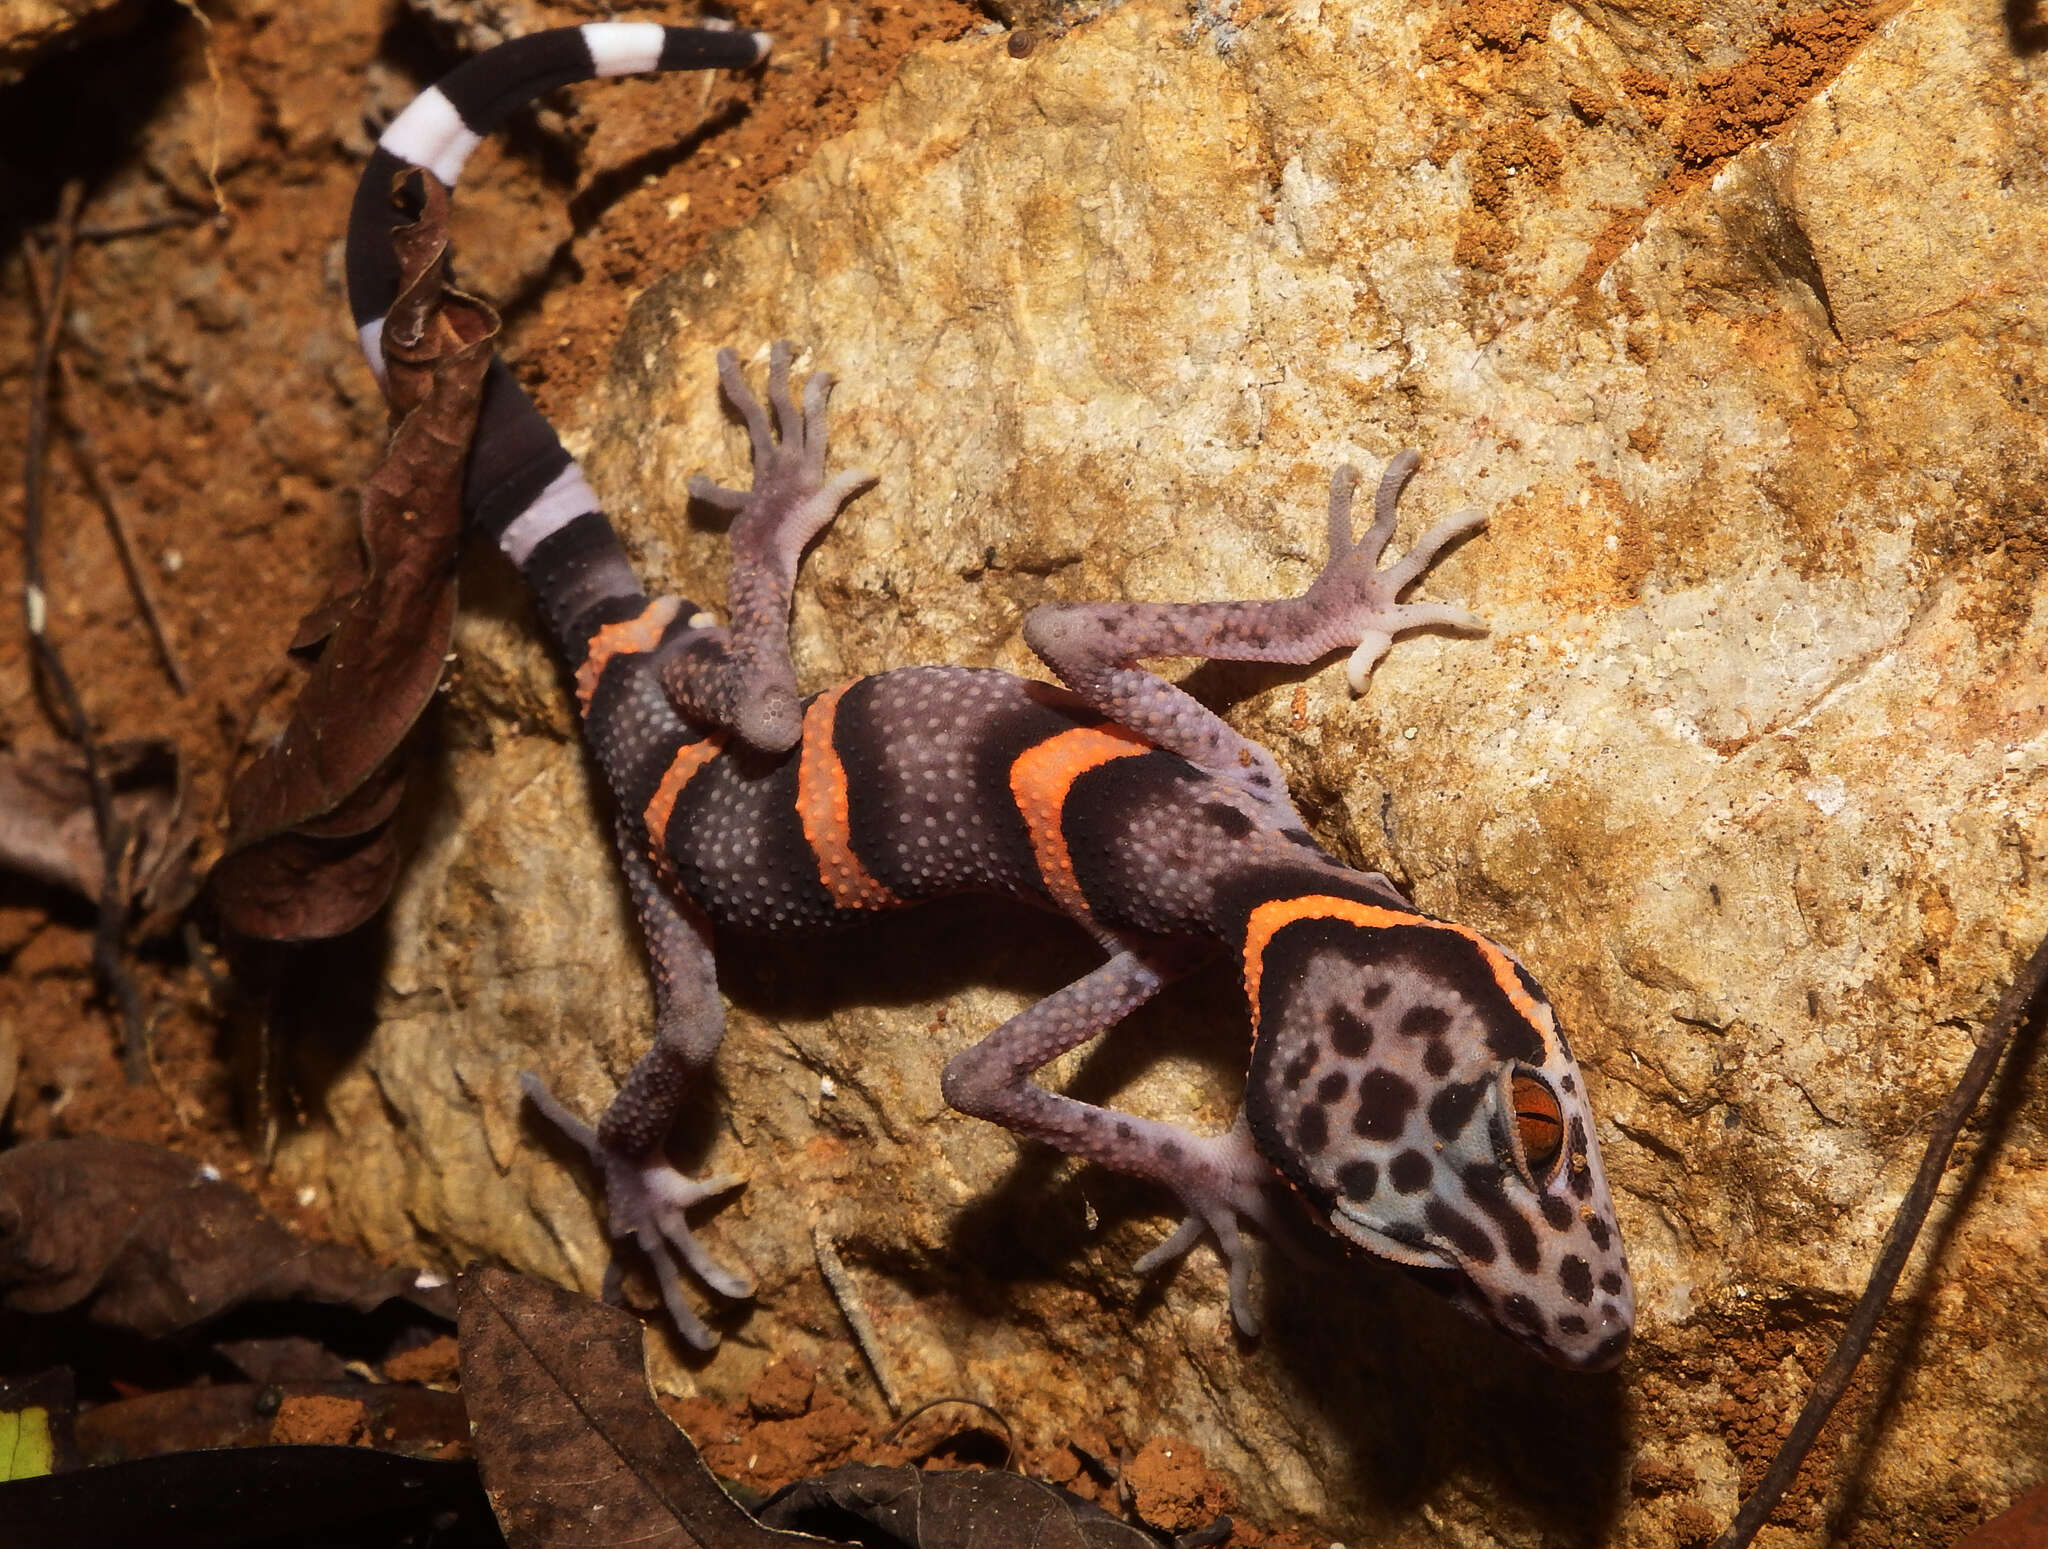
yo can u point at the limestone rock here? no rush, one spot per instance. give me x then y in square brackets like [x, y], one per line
[1736, 335]
[31, 28]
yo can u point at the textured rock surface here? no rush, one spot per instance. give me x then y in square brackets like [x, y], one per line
[29, 28]
[1733, 326]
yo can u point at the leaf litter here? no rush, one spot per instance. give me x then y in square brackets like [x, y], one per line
[312, 851]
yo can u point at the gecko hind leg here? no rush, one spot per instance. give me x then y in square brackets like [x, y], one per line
[1353, 604]
[646, 1201]
[739, 675]
[1220, 1179]
[646, 1197]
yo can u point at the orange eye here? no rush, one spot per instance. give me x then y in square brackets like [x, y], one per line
[1539, 1123]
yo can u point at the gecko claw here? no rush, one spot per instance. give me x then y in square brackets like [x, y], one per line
[1223, 1182]
[645, 1202]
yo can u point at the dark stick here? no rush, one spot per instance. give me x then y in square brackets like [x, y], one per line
[1891, 1262]
[108, 967]
[117, 524]
[141, 228]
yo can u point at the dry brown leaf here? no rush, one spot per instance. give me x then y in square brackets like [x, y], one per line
[574, 1451]
[139, 1238]
[47, 829]
[311, 848]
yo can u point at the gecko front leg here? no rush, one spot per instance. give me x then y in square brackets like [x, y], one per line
[1353, 604]
[1220, 1179]
[740, 675]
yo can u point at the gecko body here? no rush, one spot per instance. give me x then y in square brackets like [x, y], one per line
[1408, 1088]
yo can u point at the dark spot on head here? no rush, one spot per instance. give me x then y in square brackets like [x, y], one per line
[1523, 1313]
[1227, 819]
[1510, 1037]
[1484, 1186]
[1332, 1087]
[1556, 1212]
[1596, 1228]
[1299, 1067]
[1312, 1129]
[1169, 1150]
[1123, 1129]
[1300, 837]
[1452, 1108]
[1571, 1323]
[1436, 1059]
[1384, 1102]
[1611, 1283]
[1568, 1082]
[1576, 1276]
[1258, 780]
[1425, 1022]
[1374, 993]
[1409, 1172]
[1461, 1231]
[1358, 1180]
[1349, 1036]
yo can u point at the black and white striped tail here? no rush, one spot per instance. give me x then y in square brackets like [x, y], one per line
[524, 491]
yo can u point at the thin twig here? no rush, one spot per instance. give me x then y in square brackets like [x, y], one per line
[1891, 1261]
[108, 968]
[841, 1285]
[114, 231]
[117, 524]
[895, 1432]
[87, 451]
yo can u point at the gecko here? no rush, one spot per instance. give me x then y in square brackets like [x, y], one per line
[1409, 1089]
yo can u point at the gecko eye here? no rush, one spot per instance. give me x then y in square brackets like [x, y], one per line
[1539, 1125]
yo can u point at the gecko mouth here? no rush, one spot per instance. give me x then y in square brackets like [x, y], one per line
[1411, 1251]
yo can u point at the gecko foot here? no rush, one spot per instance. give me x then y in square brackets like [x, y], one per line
[1221, 1179]
[645, 1200]
[1353, 587]
[792, 500]
[741, 677]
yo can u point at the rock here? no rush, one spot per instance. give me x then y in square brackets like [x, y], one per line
[1736, 335]
[31, 28]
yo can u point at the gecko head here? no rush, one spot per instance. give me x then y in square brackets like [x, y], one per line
[1409, 1079]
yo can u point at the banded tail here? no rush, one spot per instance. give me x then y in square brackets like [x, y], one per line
[524, 492]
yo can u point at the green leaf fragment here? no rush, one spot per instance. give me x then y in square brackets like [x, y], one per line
[25, 1451]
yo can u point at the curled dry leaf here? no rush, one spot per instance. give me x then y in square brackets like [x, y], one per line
[47, 829]
[576, 1454]
[139, 1238]
[948, 1509]
[311, 850]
